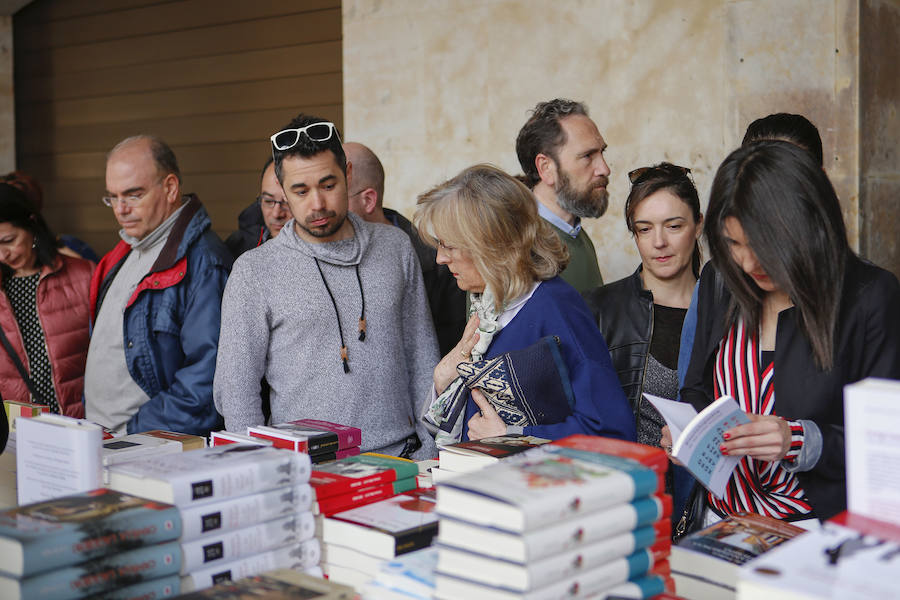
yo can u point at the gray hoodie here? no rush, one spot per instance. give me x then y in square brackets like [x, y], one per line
[279, 322]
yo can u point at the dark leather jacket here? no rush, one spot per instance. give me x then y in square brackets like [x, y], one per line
[623, 311]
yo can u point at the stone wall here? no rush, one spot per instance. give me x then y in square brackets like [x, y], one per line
[435, 86]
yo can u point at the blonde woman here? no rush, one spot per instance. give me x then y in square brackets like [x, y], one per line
[486, 228]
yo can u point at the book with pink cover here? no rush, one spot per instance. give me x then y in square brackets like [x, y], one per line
[348, 437]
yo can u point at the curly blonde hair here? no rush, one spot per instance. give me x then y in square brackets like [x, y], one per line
[493, 217]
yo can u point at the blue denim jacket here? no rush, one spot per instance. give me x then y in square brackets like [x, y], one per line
[171, 324]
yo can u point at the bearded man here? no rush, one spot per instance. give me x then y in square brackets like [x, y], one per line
[561, 151]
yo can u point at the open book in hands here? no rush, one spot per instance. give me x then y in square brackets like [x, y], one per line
[696, 437]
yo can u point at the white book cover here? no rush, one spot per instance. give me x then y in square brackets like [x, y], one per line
[209, 474]
[834, 562]
[698, 436]
[57, 456]
[231, 545]
[542, 486]
[243, 511]
[302, 556]
[555, 538]
[872, 446]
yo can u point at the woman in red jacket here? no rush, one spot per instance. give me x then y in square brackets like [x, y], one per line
[44, 313]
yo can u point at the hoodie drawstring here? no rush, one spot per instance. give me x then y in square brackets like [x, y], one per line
[337, 314]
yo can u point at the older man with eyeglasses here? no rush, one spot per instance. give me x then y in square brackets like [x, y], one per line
[155, 300]
[332, 312]
[262, 220]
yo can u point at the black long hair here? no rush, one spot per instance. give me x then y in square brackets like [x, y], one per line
[17, 210]
[792, 219]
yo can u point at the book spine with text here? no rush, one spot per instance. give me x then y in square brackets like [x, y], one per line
[230, 545]
[348, 437]
[105, 573]
[300, 556]
[335, 504]
[243, 511]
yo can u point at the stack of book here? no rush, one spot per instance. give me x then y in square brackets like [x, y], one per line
[468, 456]
[323, 441]
[245, 508]
[277, 584]
[850, 557]
[102, 543]
[358, 480]
[356, 543]
[705, 563]
[556, 521]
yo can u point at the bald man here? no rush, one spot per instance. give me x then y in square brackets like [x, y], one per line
[155, 300]
[446, 300]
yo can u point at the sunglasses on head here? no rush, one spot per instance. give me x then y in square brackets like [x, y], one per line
[662, 168]
[317, 132]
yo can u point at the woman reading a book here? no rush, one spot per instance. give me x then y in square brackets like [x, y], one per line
[787, 316]
[43, 311]
[486, 228]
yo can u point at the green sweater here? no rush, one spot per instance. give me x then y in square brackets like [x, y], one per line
[583, 272]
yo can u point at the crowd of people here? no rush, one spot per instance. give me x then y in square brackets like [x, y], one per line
[327, 304]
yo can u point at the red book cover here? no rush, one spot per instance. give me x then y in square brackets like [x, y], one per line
[348, 437]
[654, 458]
[355, 472]
[367, 495]
[297, 437]
[869, 526]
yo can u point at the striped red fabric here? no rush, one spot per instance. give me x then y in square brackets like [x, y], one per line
[757, 486]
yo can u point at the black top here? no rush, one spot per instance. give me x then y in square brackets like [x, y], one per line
[666, 340]
[867, 344]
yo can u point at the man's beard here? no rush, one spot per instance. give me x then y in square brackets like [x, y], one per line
[589, 203]
[320, 232]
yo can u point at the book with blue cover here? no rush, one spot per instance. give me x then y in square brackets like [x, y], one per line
[72, 529]
[97, 576]
[541, 486]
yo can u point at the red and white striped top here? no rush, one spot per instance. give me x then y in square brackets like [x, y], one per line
[762, 487]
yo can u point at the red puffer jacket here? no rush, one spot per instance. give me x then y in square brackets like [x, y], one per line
[64, 311]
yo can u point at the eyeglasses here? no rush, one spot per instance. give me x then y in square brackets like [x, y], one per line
[661, 169]
[129, 201]
[317, 132]
[272, 203]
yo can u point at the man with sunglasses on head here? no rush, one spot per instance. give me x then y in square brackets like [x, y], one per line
[262, 220]
[155, 300]
[332, 311]
[561, 151]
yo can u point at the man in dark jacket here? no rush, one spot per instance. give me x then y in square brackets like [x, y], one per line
[263, 219]
[155, 300]
[446, 301]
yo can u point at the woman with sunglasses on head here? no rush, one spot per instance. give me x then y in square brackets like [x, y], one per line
[486, 228]
[788, 315]
[43, 312]
[641, 316]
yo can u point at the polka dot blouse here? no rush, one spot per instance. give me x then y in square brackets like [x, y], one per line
[22, 294]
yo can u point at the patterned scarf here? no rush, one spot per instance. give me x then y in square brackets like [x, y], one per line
[441, 410]
[762, 487]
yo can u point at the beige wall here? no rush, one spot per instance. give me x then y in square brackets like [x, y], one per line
[434, 86]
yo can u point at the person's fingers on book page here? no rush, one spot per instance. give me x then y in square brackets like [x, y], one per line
[766, 437]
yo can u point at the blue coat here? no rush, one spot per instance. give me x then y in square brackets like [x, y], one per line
[557, 309]
[172, 323]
